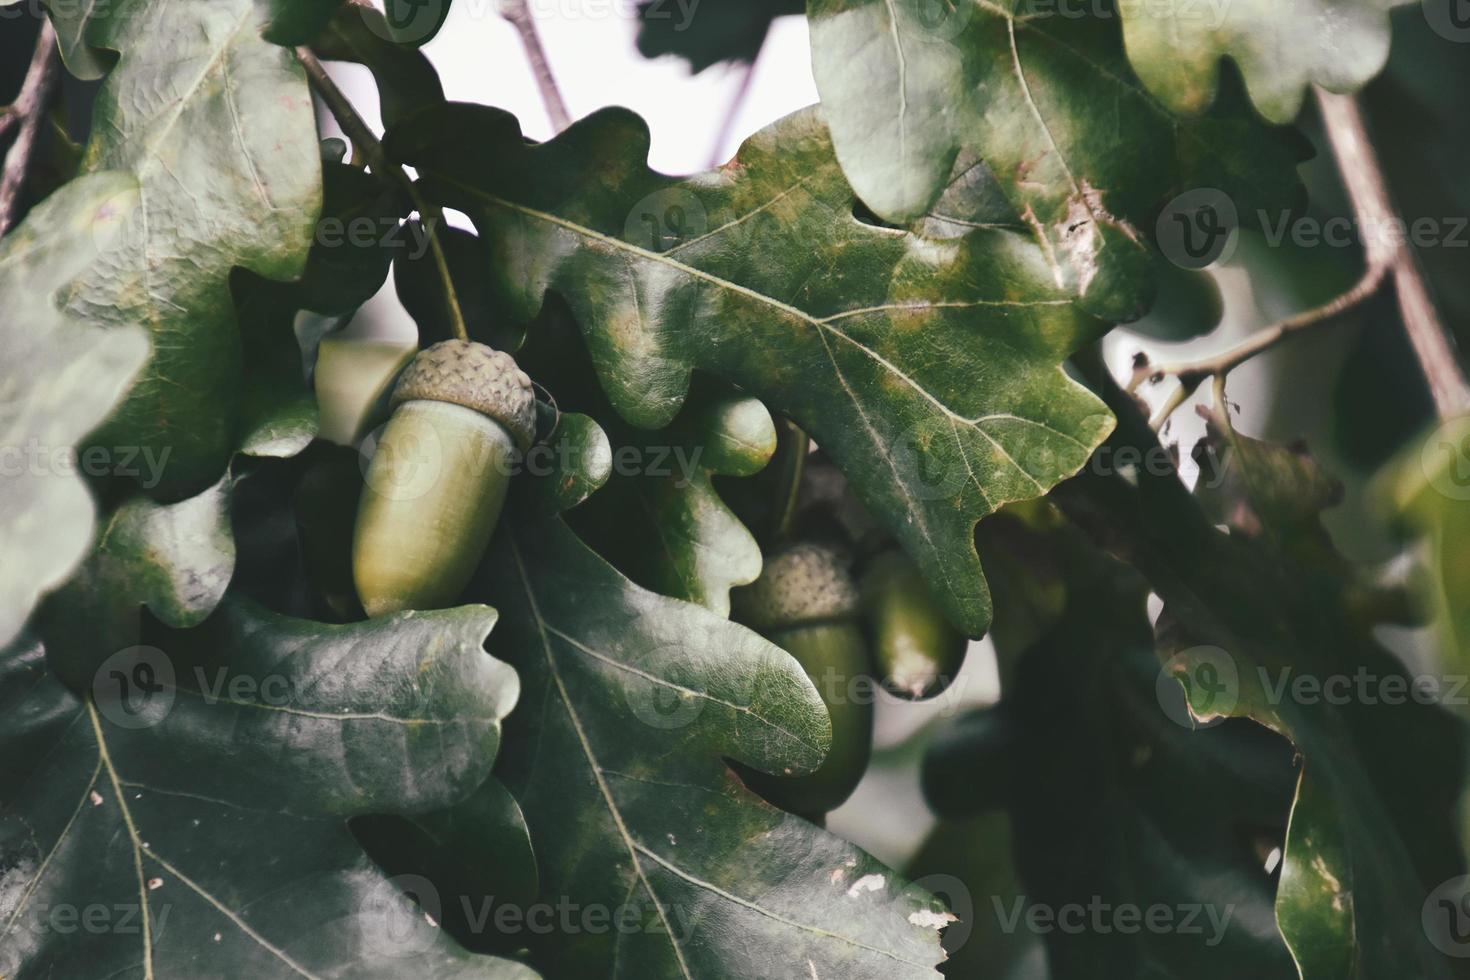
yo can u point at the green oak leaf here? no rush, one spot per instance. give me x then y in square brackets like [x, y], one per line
[205, 810]
[62, 376]
[1176, 818]
[929, 371]
[664, 525]
[1085, 155]
[659, 519]
[406, 79]
[633, 701]
[298, 21]
[413, 23]
[1176, 47]
[359, 236]
[72, 21]
[564, 468]
[476, 855]
[289, 22]
[219, 127]
[175, 559]
[1248, 618]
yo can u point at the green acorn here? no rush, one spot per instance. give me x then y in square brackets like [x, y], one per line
[806, 603]
[462, 415]
[917, 651]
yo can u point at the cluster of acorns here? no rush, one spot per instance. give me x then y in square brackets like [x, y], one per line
[419, 538]
[845, 632]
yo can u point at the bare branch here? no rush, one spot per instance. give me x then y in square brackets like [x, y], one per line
[1387, 256]
[518, 12]
[1363, 177]
[1192, 373]
[26, 112]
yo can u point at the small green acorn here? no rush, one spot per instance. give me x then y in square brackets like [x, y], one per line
[806, 603]
[917, 651]
[462, 414]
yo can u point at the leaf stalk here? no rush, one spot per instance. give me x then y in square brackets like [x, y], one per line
[371, 147]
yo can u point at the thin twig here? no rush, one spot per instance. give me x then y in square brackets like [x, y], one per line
[27, 110]
[518, 12]
[1387, 255]
[1176, 398]
[8, 119]
[1192, 373]
[371, 147]
[1363, 177]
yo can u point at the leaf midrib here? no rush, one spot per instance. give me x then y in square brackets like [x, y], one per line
[635, 847]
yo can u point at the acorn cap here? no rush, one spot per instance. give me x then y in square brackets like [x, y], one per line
[805, 584]
[462, 372]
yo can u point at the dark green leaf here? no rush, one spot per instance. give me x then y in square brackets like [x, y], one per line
[704, 32]
[635, 700]
[1115, 802]
[659, 519]
[928, 371]
[295, 22]
[1047, 99]
[219, 128]
[476, 855]
[1247, 616]
[358, 237]
[203, 808]
[175, 559]
[406, 80]
[564, 468]
[420, 287]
